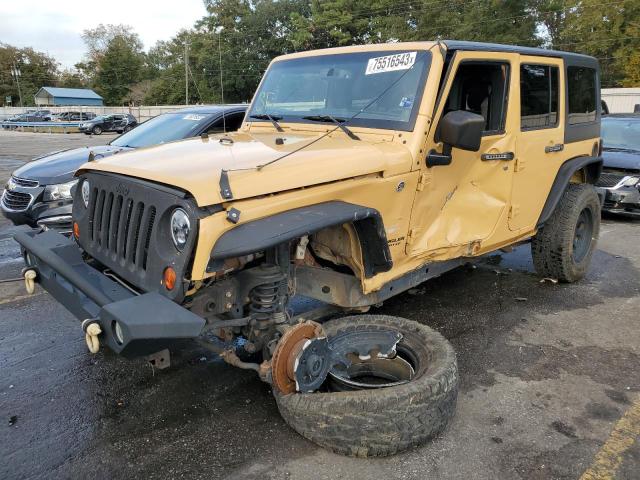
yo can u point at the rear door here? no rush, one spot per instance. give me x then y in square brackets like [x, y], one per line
[461, 205]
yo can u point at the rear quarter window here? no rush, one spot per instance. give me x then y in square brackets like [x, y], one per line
[581, 84]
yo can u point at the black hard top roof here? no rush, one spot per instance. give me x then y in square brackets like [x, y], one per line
[497, 47]
[211, 109]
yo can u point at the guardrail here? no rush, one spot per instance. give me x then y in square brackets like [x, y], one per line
[71, 126]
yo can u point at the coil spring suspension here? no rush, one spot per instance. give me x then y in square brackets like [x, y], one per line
[267, 299]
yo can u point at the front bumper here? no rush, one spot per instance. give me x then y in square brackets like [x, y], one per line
[55, 215]
[621, 200]
[89, 294]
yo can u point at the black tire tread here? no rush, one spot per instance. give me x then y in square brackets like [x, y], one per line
[385, 421]
[552, 246]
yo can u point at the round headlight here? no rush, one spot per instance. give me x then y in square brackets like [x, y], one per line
[86, 192]
[180, 228]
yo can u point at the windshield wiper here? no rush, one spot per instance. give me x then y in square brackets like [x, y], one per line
[338, 121]
[272, 118]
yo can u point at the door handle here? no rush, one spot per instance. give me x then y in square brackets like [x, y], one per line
[506, 156]
[558, 147]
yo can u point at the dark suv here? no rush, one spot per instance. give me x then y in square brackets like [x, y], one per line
[119, 122]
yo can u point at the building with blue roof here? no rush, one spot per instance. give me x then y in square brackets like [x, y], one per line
[53, 96]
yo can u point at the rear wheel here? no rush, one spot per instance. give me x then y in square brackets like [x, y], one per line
[564, 245]
[378, 411]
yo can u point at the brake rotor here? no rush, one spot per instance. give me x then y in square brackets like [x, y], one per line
[287, 352]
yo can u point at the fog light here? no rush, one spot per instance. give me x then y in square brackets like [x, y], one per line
[76, 230]
[117, 331]
[169, 278]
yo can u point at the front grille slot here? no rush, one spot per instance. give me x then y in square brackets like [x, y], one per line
[25, 182]
[16, 200]
[97, 218]
[122, 240]
[134, 232]
[150, 222]
[609, 179]
[114, 222]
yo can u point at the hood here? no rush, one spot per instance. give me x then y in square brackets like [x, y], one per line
[195, 165]
[59, 167]
[623, 159]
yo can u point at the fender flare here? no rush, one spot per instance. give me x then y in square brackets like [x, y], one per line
[273, 230]
[565, 172]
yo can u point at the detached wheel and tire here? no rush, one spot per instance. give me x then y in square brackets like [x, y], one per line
[381, 421]
[564, 245]
[96, 130]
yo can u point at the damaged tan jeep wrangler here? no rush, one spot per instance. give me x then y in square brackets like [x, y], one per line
[358, 173]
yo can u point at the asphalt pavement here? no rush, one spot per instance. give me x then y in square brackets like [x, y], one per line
[550, 381]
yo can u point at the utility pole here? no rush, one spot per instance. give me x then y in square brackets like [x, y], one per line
[186, 72]
[15, 71]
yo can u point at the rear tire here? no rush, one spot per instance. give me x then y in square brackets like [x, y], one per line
[383, 421]
[563, 247]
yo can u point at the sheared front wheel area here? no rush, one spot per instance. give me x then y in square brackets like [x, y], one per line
[380, 408]
[563, 247]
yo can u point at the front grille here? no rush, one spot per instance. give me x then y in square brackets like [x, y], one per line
[121, 226]
[125, 229]
[609, 179]
[25, 182]
[16, 201]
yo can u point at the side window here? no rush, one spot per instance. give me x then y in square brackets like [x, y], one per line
[481, 87]
[581, 82]
[233, 122]
[539, 96]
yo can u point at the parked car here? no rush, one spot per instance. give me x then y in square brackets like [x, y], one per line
[74, 116]
[39, 192]
[119, 122]
[359, 173]
[620, 178]
[31, 116]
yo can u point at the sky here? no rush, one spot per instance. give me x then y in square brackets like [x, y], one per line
[55, 26]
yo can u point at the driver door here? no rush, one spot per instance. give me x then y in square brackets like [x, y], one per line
[463, 206]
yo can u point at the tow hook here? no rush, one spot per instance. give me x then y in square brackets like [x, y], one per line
[91, 330]
[30, 280]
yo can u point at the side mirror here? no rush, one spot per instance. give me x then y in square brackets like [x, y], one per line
[457, 129]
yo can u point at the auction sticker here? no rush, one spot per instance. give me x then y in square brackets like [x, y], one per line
[391, 63]
[194, 117]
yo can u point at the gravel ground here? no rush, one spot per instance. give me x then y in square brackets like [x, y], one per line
[547, 372]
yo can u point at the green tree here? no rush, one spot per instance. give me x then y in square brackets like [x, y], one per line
[120, 67]
[37, 70]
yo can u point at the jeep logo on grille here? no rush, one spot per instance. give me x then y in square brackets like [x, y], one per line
[122, 189]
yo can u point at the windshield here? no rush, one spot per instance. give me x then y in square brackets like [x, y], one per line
[162, 129]
[341, 85]
[621, 133]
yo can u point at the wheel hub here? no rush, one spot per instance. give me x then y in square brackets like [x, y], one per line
[286, 354]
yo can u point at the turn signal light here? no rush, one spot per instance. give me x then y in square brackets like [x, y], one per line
[76, 230]
[169, 278]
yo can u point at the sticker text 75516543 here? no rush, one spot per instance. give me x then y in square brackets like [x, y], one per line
[390, 63]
